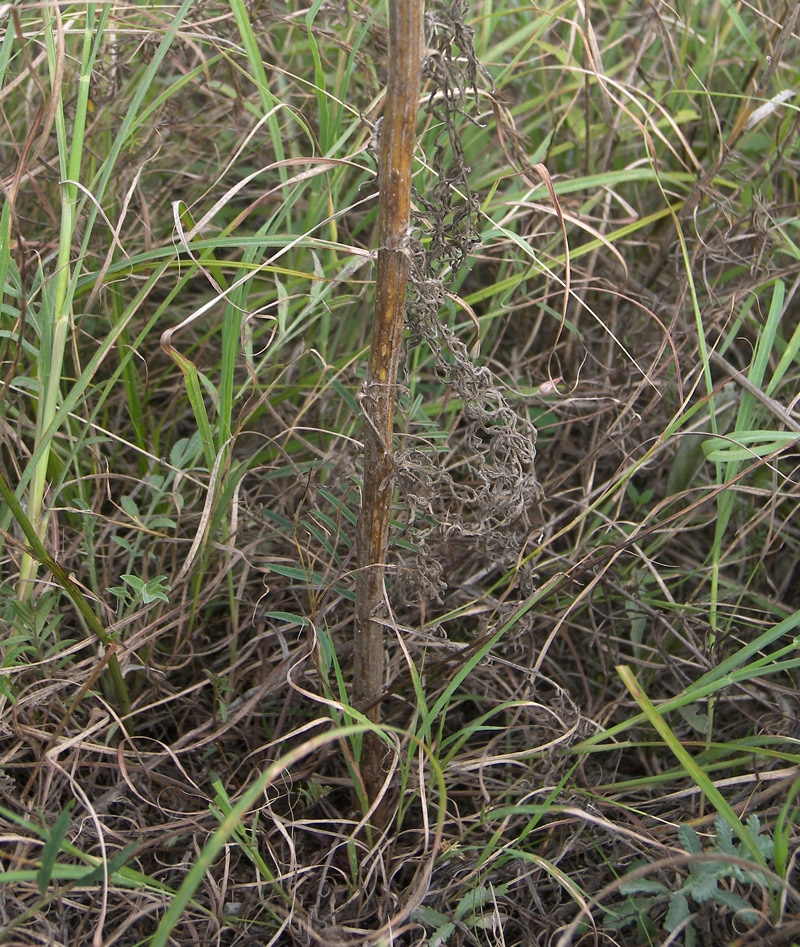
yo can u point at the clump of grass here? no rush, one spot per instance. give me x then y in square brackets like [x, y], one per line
[186, 266]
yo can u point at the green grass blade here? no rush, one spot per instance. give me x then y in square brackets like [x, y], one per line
[232, 821]
[700, 778]
[52, 847]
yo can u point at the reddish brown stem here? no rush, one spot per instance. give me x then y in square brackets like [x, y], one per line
[396, 151]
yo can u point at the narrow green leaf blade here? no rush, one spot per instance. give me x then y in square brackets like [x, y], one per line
[52, 847]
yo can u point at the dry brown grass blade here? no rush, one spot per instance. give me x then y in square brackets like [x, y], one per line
[397, 137]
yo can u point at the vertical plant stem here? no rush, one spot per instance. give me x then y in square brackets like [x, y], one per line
[57, 308]
[39, 554]
[396, 151]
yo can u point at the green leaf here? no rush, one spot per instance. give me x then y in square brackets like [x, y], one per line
[643, 886]
[313, 578]
[703, 886]
[150, 591]
[134, 582]
[678, 911]
[735, 902]
[442, 935]
[429, 916]
[724, 836]
[287, 617]
[747, 445]
[475, 899]
[694, 717]
[124, 543]
[788, 356]
[52, 847]
[696, 771]
[623, 911]
[5, 690]
[689, 839]
[784, 827]
[129, 505]
[155, 589]
[186, 451]
[753, 823]
[117, 861]
[627, 913]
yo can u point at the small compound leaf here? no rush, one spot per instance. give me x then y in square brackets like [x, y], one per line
[678, 911]
[690, 839]
[704, 887]
[724, 836]
[753, 824]
[442, 936]
[155, 589]
[430, 916]
[476, 899]
[765, 844]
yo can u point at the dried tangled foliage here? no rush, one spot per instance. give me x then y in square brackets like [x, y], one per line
[485, 507]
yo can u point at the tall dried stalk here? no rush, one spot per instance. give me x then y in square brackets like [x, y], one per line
[396, 149]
